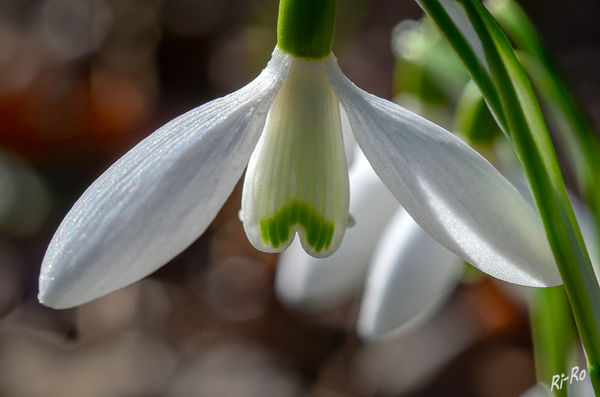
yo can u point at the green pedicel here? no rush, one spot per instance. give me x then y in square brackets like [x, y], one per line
[305, 27]
[276, 230]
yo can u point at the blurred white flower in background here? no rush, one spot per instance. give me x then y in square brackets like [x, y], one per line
[404, 271]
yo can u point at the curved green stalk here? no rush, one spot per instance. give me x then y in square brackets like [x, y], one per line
[553, 335]
[510, 97]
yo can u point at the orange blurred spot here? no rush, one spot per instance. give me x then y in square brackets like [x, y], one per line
[494, 312]
[116, 104]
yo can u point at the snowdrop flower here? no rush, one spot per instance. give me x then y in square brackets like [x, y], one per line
[285, 126]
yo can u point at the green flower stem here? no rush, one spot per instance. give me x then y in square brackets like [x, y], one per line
[553, 335]
[575, 127]
[511, 99]
[305, 27]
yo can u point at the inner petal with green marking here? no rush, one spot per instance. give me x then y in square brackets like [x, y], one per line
[297, 178]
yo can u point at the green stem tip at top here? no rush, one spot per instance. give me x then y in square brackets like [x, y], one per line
[305, 27]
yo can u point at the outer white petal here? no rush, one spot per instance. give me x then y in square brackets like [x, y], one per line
[411, 275]
[314, 283]
[456, 195]
[159, 197]
[582, 214]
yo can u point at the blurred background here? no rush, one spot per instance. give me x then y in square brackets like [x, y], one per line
[82, 81]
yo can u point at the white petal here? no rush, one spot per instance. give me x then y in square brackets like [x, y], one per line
[410, 276]
[297, 178]
[584, 217]
[350, 146]
[314, 283]
[456, 195]
[159, 197]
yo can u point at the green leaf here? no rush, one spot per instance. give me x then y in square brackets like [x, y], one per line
[553, 335]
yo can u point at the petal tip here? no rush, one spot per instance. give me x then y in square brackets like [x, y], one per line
[50, 300]
[373, 332]
[367, 331]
